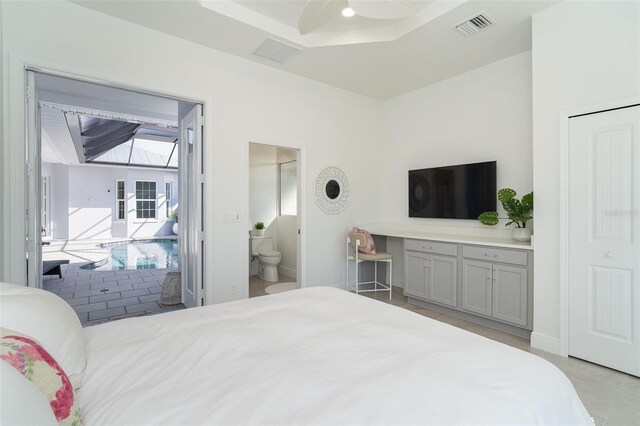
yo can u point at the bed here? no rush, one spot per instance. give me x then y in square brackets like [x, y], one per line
[313, 356]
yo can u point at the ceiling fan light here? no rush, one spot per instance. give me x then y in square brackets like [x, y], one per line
[347, 12]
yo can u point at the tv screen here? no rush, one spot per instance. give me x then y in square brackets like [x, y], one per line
[453, 192]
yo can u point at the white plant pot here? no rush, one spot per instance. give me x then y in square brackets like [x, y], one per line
[522, 234]
[258, 232]
[175, 228]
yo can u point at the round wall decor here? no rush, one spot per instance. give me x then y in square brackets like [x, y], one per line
[332, 190]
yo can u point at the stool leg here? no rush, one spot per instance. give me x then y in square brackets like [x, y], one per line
[390, 279]
[375, 276]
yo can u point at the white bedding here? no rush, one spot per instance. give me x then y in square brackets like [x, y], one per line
[313, 356]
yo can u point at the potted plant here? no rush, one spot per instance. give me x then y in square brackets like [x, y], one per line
[518, 212]
[259, 231]
[174, 217]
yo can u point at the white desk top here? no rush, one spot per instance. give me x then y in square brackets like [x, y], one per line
[453, 238]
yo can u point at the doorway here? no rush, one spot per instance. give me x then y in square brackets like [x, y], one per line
[604, 238]
[115, 169]
[275, 215]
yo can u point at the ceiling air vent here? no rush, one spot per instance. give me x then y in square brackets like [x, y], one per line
[276, 51]
[474, 24]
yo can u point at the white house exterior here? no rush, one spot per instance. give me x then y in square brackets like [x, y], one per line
[87, 202]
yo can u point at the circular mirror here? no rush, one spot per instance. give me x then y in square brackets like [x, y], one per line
[332, 190]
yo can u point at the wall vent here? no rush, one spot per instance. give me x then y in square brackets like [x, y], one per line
[275, 51]
[474, 24]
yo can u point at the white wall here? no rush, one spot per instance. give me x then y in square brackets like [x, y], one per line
[243, 101]
[263, 184]
[3, 200]
[583, 53]
[482, 115]
[83, 202]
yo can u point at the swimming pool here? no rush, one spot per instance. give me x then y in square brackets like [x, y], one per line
[138, 254]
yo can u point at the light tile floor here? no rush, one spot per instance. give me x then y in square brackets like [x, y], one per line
[258, 285]
[611, 397]
[102, 296]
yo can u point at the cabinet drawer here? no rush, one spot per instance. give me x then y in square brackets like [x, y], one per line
[431, 247]
[495, 255]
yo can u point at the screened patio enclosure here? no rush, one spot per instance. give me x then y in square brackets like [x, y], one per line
[101, 140]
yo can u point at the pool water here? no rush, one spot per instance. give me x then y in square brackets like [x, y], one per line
[141, 254]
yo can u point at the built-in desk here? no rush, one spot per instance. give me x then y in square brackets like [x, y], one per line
[453, 238]
[484, 279]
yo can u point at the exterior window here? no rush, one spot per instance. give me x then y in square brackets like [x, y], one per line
[120, 200]
[289, 188]
[145, 200]
[167, 195]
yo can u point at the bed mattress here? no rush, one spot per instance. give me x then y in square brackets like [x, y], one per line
[314, 356]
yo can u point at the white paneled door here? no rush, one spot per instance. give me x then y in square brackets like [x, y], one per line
[190, 214]
[604, 238]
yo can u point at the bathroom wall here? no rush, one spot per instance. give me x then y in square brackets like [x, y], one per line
[263, 204]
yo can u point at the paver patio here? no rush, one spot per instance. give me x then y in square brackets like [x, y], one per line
[102, 296]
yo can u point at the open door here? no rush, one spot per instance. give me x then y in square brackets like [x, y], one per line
[33, 183]
[191, 225]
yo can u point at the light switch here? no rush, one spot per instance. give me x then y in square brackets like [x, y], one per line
[231, 217]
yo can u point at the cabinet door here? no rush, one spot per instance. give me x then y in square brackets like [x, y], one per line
[510, 294]
[415, 274]
[476, 287]
[443, 280]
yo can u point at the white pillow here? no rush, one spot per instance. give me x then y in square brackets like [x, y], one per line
[22, 402]
[48, 319]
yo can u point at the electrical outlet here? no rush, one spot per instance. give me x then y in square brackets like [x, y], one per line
[233, 289]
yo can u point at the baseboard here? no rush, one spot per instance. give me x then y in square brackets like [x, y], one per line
[545, 343]
[285, 270]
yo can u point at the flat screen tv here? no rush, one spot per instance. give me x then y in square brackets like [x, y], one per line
[453, 192]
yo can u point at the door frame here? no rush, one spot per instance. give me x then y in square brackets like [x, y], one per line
[563, 163]
[301, 219]
[13, 223]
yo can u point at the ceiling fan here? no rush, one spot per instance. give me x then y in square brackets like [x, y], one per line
[318, 12]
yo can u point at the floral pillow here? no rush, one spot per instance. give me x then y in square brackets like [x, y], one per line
[370, 246]
[34, 362]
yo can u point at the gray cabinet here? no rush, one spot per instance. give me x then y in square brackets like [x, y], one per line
[476, 287]
[431, 272]
[492, 282]
[442, 280]
[498, 291]
[510, 294]
[416, 274]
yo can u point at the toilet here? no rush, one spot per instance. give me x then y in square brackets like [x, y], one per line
[262, 247]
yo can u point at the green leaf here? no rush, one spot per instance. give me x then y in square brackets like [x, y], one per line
[527, 201]
[488, 218]
[506, 194]
[512, 207]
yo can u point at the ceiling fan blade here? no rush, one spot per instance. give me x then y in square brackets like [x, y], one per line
[386, 9]
[318, 12]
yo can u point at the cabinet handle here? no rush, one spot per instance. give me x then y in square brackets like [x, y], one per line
[486, 254]
[610, 255]
[495, 255]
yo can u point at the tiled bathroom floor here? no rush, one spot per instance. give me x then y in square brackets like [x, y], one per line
[257, 285]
